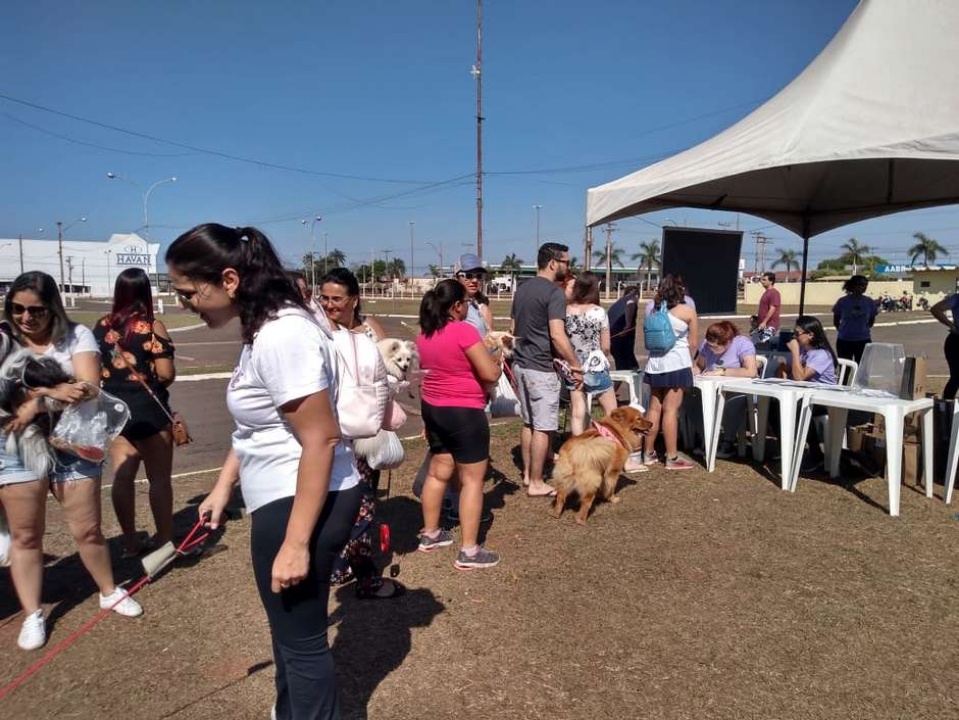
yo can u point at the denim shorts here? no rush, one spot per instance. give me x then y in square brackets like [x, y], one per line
[70, 467]
[594, 383]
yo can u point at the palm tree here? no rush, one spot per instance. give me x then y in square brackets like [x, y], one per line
[855, 252]
[396, 268]
[787, 258]
[615, 255]
[337, 258]
[434, 271]
[648, 256]
[926, 246]
[574, 266]
[511, 264]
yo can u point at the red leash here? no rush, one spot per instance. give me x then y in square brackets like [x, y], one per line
[188, 543]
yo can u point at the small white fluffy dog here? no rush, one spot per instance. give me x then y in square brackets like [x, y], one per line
[399, 356]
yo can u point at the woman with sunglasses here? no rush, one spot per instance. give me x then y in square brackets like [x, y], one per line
[297, 476]
[472, 276]
[812, 359]
[136, 349]
[727, 352]
[340, 300]
[39, 322]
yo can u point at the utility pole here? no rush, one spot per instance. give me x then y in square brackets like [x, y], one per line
[21, 254]
[609, 257]
[477, 73]
[761, 241]
[588, 262]
[70, 272]
[83, 274]
[60, 252]
[326, 254]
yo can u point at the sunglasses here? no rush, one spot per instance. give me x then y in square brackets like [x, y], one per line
[185, 295]
[37, 311]
[471, 276]
[329, 300]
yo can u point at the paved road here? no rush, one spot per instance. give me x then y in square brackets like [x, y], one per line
[202, 401]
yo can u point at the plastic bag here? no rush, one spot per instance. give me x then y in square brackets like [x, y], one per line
[383, 452]
[5, 541]
[87, 428]
[504, 402]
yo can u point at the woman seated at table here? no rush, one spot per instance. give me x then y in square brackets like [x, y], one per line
[726, 352]
[812, 359]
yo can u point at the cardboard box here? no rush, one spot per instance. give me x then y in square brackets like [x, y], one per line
[913, 378]
[911, 461]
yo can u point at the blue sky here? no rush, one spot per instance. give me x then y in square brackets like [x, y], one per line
[364, 113]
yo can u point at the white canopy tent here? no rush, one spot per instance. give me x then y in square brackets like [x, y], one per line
[869, 128]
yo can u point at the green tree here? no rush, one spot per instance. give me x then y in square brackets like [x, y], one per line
[434, 271]
[396, 268]
[511, 264]
[615, 256]
[789, 258]
[927, 247]
[855, 253]
[648, 257]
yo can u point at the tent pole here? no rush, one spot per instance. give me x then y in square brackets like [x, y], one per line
[802, 277]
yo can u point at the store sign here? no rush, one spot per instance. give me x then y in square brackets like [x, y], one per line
[133, 255]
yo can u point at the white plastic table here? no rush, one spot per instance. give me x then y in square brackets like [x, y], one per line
[894, 413]
[708, 386]
[789, 394]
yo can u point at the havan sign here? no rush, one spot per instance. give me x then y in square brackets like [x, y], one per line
[133, 255]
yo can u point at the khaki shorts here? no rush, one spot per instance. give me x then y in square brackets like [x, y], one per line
[538, 394]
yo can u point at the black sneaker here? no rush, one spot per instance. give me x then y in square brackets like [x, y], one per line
[453, 516]
[443, 539]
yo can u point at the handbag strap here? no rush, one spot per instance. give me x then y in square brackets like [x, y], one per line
[139, 378]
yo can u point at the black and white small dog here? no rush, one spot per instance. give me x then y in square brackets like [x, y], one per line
[20, 371]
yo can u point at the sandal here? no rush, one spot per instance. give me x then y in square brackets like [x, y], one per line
[373, 589]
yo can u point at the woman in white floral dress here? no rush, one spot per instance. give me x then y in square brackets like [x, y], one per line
[588, 329]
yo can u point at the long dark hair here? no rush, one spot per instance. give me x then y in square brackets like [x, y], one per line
[204, 252]
[810, 324]
[132, 298]
[436, 304]
[585, 289]
[672, 290]
[46, 289]
[342, 276]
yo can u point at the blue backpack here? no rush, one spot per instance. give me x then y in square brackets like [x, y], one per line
[658, 332]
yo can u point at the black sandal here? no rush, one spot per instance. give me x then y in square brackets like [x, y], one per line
[372, 589]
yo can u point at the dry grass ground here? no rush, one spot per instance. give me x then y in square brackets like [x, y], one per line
[698, 596]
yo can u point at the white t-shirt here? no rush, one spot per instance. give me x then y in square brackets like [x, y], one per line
[77, 340]
[290, 358]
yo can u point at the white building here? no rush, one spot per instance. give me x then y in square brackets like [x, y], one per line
[89, 266]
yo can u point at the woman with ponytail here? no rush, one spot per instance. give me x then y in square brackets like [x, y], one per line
[456, 366]
[298, 478]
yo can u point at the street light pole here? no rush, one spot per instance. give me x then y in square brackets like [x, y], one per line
[146, 211]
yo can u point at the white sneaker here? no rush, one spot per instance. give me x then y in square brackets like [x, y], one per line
[33, 633]
[128, 607]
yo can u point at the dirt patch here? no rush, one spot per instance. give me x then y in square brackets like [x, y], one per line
[698, 596]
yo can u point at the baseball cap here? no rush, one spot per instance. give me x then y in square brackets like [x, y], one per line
[469, 262]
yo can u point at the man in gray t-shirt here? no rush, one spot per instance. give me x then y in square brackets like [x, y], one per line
[539, 325]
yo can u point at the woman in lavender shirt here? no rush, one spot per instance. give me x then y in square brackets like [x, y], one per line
[725, 351]
[812, 360]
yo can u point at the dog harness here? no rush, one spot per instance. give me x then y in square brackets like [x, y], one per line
[605, 432]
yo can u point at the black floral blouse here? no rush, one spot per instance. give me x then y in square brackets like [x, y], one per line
[141, 348]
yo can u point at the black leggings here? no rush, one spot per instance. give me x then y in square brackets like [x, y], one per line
[851, 349]
[305, 679]
[951, 349]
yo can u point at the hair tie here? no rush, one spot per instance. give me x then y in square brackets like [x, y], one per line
[244, 237]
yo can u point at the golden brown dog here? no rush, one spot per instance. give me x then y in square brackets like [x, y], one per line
[590, 464]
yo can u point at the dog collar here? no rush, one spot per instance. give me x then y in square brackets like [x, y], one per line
[606, 432]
